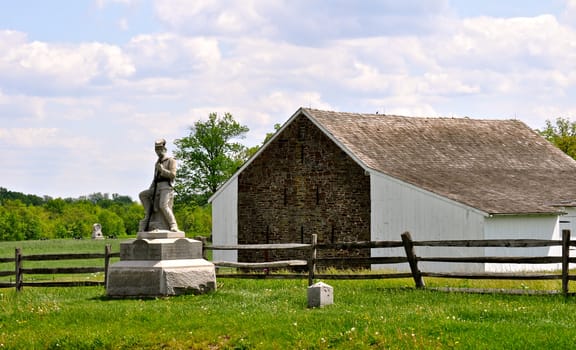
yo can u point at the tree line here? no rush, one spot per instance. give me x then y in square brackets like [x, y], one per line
[30, 217]
[26, 216]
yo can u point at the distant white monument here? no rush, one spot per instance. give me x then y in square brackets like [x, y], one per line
[97, 231]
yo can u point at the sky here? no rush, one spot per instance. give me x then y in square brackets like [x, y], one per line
[87, 86]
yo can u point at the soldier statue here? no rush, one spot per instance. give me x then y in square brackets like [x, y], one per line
[158, 200]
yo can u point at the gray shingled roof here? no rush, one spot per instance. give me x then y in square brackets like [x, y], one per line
[496, 166]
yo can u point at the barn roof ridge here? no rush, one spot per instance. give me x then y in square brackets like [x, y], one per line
[414, 118]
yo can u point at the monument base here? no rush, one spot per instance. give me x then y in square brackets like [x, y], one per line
[154, 266]
[146, 278]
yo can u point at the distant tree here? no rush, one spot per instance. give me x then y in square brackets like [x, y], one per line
[131, 214]
[101, 199]
[562, 134]
[252, 150]
[28, 199]
[112, 224]
[195, 220]
[119, 199]
[55, 206]
[270, 134]
[208, 157]
[19, 221]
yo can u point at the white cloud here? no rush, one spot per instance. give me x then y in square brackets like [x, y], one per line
[569, 14]
[173, 54]
[43, 65]
[103, 3]
[123, 24]
[14, 108]
[30, 137]
[214, 16]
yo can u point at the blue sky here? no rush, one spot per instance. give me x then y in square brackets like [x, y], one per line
[87, 86]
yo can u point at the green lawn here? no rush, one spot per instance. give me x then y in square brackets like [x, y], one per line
[272, 314]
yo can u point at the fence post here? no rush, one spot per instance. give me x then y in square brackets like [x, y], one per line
[412, 259]
[18, 268]
[107, 252]
[204, 242]
[565, 260]
[312, 261]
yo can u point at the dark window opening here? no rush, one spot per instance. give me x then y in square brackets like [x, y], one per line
[301, 132]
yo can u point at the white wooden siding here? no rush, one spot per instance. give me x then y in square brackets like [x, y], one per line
[568, 221]
[398, 207]
[225, 221]
[522, 227]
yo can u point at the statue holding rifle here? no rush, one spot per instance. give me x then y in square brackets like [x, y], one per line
[158, 200]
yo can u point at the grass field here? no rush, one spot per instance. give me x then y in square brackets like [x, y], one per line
[272, 314]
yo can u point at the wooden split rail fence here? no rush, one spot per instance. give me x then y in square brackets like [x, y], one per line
[20, 270]
[311, 262]
[410, 257]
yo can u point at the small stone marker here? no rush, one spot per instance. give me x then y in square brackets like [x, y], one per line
[320, 294]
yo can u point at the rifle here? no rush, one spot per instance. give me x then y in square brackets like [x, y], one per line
[151, 208]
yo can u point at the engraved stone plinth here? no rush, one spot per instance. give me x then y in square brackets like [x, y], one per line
[160, 267]
[160, 234]
[161, 249]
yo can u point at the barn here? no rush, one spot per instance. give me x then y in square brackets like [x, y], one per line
[359, 177]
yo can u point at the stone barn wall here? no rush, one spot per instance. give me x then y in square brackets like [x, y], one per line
[301, 184]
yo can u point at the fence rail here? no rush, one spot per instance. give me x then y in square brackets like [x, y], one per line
[20, 271]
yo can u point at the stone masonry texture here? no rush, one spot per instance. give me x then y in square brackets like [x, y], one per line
[302, 184]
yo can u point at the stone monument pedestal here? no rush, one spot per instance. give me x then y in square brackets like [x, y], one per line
[160, 263]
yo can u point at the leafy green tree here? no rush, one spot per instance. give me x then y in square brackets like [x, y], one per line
[19, 221]
[10, 224]
[195, 220]
[55, 206]
[562, 134]
[27, 199]
[77, 220]
[208, 157]
[252, 150]
[130, 213]
[112, 224]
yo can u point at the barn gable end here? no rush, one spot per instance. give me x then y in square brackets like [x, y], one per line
[302, 183]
